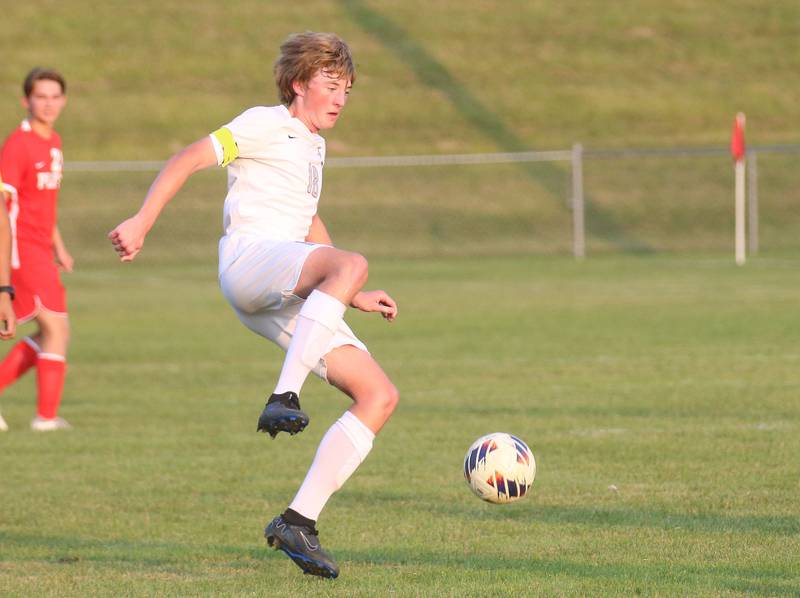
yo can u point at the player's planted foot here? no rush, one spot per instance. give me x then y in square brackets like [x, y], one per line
[301, 544]
[3, 425]
[282, 413]
[40, 424]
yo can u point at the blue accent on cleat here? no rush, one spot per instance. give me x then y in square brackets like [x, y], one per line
[301, 544]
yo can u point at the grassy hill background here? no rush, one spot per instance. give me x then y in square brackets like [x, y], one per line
[442, 77]
[659, 392]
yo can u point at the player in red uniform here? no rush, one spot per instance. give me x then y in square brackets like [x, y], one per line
[8, 321]
[31, 163]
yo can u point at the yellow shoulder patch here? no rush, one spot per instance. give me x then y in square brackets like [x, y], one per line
[230, 151]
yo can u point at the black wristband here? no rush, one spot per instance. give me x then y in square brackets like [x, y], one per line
[8, 289]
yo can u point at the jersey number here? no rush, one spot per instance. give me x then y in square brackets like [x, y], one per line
[313, 180]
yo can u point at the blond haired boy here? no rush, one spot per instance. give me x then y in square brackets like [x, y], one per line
[282, 275]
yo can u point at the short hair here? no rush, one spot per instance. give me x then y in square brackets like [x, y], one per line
[305, 54]
[42, 74]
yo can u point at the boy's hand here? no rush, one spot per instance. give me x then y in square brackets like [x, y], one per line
[64, 260]
[379, 301]
[128, 238]
[8, 321]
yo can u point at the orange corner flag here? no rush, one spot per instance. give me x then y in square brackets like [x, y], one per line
[737, 138]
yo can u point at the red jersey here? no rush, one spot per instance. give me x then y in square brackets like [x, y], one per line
[31, 169]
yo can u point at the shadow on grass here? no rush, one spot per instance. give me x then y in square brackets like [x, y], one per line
[773, 582]
[432, 73]
[187, 559]
[631, 518]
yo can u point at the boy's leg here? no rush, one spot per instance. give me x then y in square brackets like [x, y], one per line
[51, 370]
[329, 280]
[343, 448]
[23, 355]
[19, 360]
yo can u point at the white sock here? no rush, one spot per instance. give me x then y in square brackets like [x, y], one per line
[343, 448]
[318, 321]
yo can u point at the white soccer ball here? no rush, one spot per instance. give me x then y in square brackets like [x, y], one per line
[499, 468]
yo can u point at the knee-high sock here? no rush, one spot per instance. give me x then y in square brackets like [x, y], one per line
[317, 323]
[50, 372]
[343, 448]
[19, 360]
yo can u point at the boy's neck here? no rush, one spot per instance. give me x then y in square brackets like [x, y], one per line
[42, 129]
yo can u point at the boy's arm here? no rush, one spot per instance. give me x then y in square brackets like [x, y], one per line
[128, 237]
[318, 232]
[62, 255]
[6, 310]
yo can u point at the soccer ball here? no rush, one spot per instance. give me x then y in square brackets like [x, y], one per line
[499, 468]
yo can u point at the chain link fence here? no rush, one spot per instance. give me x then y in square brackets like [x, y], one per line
[579, 201]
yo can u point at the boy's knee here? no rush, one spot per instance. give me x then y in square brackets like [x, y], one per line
[390, 397]
[355, 267]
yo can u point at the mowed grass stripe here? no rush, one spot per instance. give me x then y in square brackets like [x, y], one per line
[658, 394]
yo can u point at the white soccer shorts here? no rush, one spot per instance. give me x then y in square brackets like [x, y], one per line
[257, 277]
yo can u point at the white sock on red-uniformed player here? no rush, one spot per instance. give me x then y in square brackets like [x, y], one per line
[343, 448]
[317, 323]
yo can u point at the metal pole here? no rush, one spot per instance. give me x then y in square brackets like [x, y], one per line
[578, 226]
[752, 193]
[739, 213]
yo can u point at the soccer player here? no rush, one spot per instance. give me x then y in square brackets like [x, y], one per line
[31, 164]
[8, 320]
[281, 274]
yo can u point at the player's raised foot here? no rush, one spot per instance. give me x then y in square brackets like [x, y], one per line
[3, 425]
[282, 413]
[301, 544]
[40, 424]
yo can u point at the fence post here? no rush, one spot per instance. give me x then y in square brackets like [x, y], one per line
[752, 196]
[578, 226]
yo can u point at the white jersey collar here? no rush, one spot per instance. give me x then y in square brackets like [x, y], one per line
[300, 126]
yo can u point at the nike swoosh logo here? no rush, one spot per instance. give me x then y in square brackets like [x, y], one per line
[39, 165]
[309, 545]
[292, 136]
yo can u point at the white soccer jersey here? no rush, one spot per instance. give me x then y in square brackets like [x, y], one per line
[274, 173]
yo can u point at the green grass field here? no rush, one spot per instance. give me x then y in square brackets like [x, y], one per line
[658, 394]
[656, 383]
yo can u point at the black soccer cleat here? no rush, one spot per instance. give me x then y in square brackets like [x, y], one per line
[301, 544]
[282, 413]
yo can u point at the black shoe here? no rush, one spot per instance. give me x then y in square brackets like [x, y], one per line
[301, 544]
[282, 414]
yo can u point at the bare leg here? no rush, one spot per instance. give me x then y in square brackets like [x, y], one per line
[53, 334]
[349, 440]
[337, 273]
[358, 375]
[329, 280]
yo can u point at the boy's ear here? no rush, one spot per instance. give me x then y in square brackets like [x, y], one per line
[299, 88]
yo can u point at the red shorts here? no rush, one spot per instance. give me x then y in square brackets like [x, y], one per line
[37, 283]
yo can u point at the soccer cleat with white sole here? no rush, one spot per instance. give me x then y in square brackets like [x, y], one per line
[3, 425]
[40, 424]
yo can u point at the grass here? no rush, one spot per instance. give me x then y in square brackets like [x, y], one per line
[433, 77]
[657, 390]
[657, 393]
